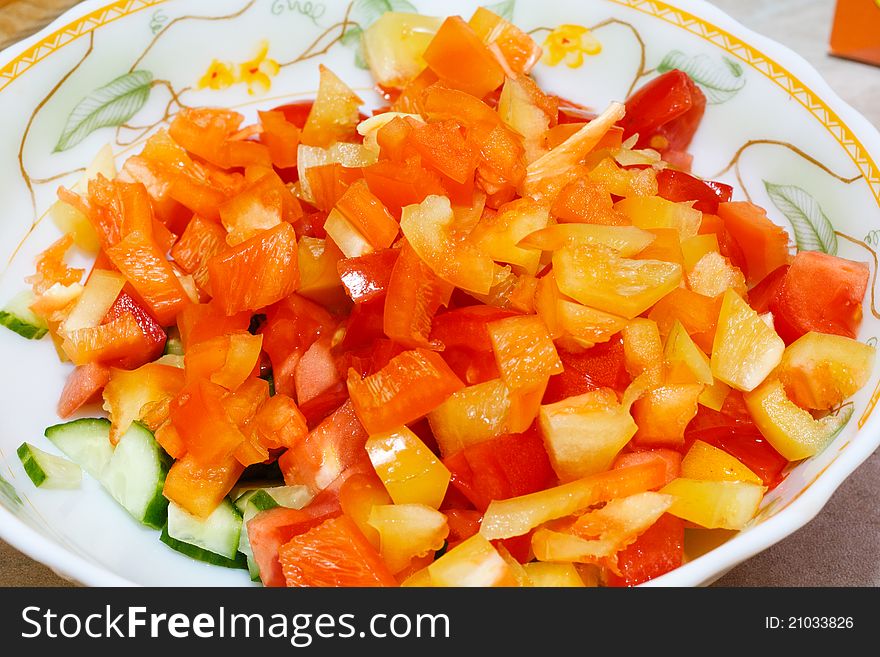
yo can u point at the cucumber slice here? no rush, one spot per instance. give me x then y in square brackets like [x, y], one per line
[200, 554]
[85, 442]
[134, 473]
[258, 498]
[17, 316]
[135, 476]
[47, 470]
[218, 533]
[173, 345]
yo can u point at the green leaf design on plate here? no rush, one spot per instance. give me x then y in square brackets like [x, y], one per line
[812, 228]
[8, 494]
[720, 82]
[503, 9]
[873, 238]
[111, 105]
[367, 12]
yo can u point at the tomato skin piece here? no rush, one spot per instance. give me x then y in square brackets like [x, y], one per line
[367, 277]
[334, 553]
[83, 384]
[670, 106]
[678, 186]
[820, 293]
[602, 366]
[256, 273]
[413, 383]
[501, 468]
[138, 258]
[331, 448]
[269, 530]
[657, 551]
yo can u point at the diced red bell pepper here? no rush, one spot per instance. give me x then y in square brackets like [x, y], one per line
[764, 244]
[412, 384]
[327, 452]
[602, 366]
[678, 186]
[467, 327]
[665, 112]
[670, 459]
[364, 325]
[747, 445]
[335, 554]
[151, 275]
[501, 468]
[657, 551]
[367, 277]
[257, 272]
[470, 365]
[202, 321]
[269, 530]
[822, 293]
[83, 384]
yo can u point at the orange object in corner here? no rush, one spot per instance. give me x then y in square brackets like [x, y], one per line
[856, 31]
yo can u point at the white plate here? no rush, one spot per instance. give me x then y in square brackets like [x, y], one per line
[758, 90]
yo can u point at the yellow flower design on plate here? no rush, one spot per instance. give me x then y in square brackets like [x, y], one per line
[257, 73]
[218, 76]
[569, 43]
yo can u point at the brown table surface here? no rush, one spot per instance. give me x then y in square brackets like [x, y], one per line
[841, 545]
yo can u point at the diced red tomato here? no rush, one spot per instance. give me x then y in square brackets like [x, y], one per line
[678, 186]
[747, 445]
[83, 385]
[764, 245]
[602, 366]
[670, 459]
[657, 551]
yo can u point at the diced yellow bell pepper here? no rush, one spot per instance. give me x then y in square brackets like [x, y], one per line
[584, 434]
[643, 348]
[713, 275]
[791, 430]
[98, 295]
[319, 278]
[694, 248]
[547, 297]
[599, 277]
[703, 461]
[819, 370]
[587, 325]
[713, 396]
[470, 416]
[334, 116]
[472, 563]
[656, 212]
[626, 240]
[517, 515]
[553, 575]
[419, 579]
[357, 497]
[745, 349]
[407, 531]
[685, 361]
[498, 235]
[518, 110]
[394, 46]
[625, 182]
[412, 474]
[714, 504]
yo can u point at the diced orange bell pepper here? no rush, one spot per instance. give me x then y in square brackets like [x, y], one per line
[329, 182]
[367, 214]
[151, 275]
[257, 272]
[662, 414]
[226, 360]
[411, 473]
[470, 416]
[118, 339]
[357, 497]
[398, 184]
[499, 235]
[407, 531]
[367, 277]
[334, 116]
[442, 145]
[168, 438]
[586, 201]
[201, 488]
[413, 297]
[666, 246]
[408, 387]
[697, 313]
[128, 393]
[51, 268]
[518, 50]
[524, 351]
[201, 241]
[201, 419]
[257, 208]
[202, 321]
[281, 137]
[460, 58]
[670, 459]
[279, 423]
